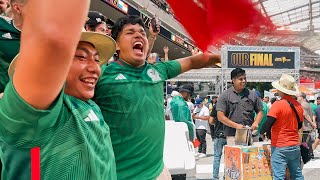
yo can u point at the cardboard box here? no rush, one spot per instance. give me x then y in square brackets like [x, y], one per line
[248, 162]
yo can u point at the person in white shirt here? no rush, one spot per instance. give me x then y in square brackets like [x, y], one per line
[266, 100]
[190, 105]
[201, 117]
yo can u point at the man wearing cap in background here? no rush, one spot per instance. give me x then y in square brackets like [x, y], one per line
[49, 126]
[308, 124]
[283, 124]
[10, 38]
[110, 25]
[201, 117]
[180, 110]
[4, 4]
[97, 22]
[237, 106]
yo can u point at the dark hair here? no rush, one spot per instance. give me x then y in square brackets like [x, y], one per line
[122, 22]
[92, 27]
[186, 88]
[318, 98]
[273, 100]
[303, 95]
[237, 72]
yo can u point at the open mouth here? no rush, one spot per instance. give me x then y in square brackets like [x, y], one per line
[138, 48]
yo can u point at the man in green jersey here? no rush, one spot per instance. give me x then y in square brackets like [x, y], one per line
[10, 38]
[4, 4]
[130, 95]
[265, 111]
[180, 111]
[49, 128]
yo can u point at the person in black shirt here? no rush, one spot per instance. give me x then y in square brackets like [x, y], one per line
[219, 140]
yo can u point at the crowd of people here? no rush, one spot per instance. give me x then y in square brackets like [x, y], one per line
[50, 128]
[77, 100]
[287, 120]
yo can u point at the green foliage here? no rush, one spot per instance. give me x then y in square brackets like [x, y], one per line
[259, 86]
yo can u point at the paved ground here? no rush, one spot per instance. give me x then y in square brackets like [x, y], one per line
[311, 170]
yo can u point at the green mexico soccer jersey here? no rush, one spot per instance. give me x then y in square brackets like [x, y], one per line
[131, 101]
[9, 48]
[73, 138]
[181, 113]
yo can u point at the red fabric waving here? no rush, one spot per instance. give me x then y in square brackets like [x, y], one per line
[211, 21]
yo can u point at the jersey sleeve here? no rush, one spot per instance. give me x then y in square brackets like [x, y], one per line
[20, 123]
[168, 69]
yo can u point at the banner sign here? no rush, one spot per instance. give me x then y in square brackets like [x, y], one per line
[261, 57]
[118, 4]
[127, 9]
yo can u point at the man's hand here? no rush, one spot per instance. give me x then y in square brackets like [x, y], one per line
[152, 37]
[239, 126]
[166, 53]
[165, 50]
[254, 126]
[314, 125]
[214, 58]
[154, 34]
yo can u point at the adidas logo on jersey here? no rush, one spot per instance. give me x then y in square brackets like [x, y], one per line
[120, 77]
[91, 116]
[7, 36]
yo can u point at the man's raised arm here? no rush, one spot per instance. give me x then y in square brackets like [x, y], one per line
[50, 34]
[199, 61]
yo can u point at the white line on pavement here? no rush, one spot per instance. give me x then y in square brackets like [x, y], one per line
[207, 168]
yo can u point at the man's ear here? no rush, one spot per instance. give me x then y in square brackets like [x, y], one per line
[117, 47]
[16, 8]
[232, 81]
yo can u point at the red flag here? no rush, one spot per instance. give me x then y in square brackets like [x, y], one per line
[196, 143]
[211, 21]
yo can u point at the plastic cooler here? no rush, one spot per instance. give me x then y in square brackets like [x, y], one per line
[178, 149]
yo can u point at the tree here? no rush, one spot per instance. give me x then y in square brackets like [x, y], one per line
[259, 86]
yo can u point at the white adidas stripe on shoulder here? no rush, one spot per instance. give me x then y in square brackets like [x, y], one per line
[9, 20]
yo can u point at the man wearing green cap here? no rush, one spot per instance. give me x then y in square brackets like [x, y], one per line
[49, 128]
